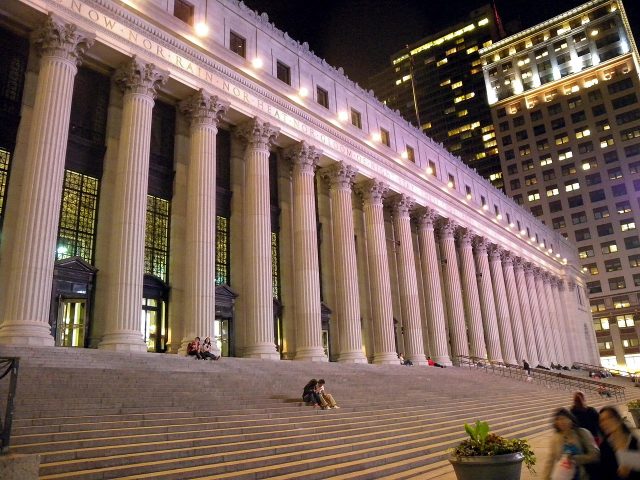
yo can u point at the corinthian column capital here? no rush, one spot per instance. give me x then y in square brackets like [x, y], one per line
[497, 254]
[56, 38]
[339, 175]
[426, 218]
[401, 205]
[303, 157]
[480, 245]
[373, 191]
[446, 228]
[137, 76]
[258, 133]
[464, 236]
[204, 109]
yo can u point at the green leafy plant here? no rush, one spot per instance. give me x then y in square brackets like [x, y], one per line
[633, 404]
[483, 443]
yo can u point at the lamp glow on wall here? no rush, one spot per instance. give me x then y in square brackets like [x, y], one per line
[257, 63]
[201, 28]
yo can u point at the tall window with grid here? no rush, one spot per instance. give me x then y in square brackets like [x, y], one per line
[77, 227]
[222, 250]
[156, 245]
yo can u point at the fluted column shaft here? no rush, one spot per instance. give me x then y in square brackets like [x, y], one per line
[545, 319]
[526, 314]
[258, 281]
[560, 323]
[513, 302]
[204, 112]
[563, 323]
[306, 272]
[557, 334]
[471, 296]
[536, 318]
[381, 308]
[453, 291]
[503, 317]
[436, 320]
[409, 297]
[340, 178]
[124, 283]
[28, 297]
[487, 302]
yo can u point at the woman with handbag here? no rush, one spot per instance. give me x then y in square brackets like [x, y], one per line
[572, 448]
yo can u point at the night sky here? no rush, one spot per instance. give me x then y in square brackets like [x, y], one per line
[361, 35]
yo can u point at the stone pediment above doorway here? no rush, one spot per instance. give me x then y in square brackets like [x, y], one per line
[76, 268]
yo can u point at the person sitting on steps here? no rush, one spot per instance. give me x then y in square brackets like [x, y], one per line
[327, 398]
[407, 363]
[206, 348]
[309, 394]
[431, 363]
[193, 348]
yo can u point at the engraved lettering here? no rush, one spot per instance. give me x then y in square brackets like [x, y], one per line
[146, 43]
[109, 23]
[93, 15]
[133, 37]
[77, 6]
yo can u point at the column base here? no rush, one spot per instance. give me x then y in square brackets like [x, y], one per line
[313, 354]
[389, 358]
[511, 361]
[32, 333]
[123, 342]
[263, 351]
[352, 357]
[419, 361]
[500, 360]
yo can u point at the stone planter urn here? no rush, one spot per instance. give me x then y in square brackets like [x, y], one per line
[497, 467]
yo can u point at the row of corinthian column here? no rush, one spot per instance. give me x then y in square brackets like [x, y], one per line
[478, 300]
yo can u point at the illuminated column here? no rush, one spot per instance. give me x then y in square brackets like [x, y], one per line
[409, 298]
[433, 290]
[453, 290]
[470, 294]
[124, 284]
[381, 308]
[306, 272]
[503, 317]
[28, 296]
[513, 302]
[536, 318]
[545, 318]
[340, 178]
[561, 322]
[258, 282]
[525, 312]
[204, 112]
[487, 301]
[556, 331]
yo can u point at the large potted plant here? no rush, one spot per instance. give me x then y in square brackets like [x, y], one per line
[486, 456]
[634, 410]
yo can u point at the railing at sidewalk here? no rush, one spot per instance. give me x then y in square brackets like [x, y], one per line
[8, 366]
[543, 377]
[613, 371]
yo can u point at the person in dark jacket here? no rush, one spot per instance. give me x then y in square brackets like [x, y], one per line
[587, 416]
[310, 394]
[618, 438]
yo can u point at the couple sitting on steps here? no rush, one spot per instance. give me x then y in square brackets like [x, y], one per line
[314, 394]
[201, 350]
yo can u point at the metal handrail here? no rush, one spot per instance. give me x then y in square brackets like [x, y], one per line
[8, 365]
[542, 377]
[613, 371]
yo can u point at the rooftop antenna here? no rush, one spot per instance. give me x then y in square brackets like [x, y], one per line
[413, 89]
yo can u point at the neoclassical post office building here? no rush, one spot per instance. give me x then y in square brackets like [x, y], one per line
[171, 169]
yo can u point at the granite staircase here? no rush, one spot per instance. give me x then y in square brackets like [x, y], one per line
[96, 415]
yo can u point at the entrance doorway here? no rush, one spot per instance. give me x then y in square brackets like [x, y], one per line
[72, 295]
[152, 326]
[223, 323]
[71, 323]
[221, 335]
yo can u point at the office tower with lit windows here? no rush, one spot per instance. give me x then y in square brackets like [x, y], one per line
[436, 84]
[564, 98]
